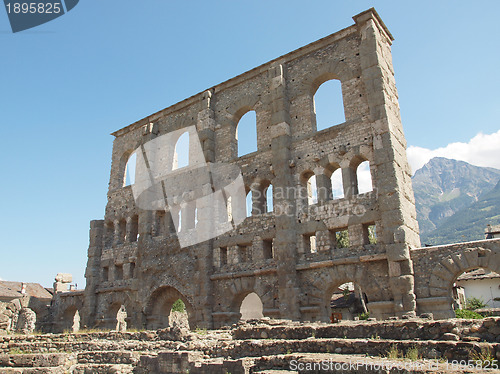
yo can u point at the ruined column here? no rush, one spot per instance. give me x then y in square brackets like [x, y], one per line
[285, 246]
[93, 271]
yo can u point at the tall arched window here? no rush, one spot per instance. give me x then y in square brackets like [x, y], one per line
[181, 153]
[328, 105]
[246, 133]
[130, 170]
[364, 177]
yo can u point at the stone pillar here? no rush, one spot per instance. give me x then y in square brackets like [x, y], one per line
[93, 271]
[323, 187]
[285, 245]
[117, 233]
[392, 176]
[349, 182]
[258, 200]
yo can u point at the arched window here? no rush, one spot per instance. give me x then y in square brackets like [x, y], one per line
[312, 191]
[337, 184]
[251, 307]
[130, 170]
[246, 133]
[328, 105]
[364, 177]
[181, 153]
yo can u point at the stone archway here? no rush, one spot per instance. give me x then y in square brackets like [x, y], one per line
[445, 273]
[376, 288]
[160, 304]
[71, 319]
[251, 307]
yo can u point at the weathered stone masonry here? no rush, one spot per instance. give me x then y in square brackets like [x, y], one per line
[135, 259]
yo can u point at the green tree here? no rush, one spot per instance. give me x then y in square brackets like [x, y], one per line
[343, 239]
[178, 306]
[372, 235]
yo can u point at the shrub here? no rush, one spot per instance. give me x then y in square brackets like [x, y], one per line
[474, 303]
[467, 314]
[178, 306]
[364, 316]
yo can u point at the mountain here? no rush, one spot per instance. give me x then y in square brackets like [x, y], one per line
[468, 223]
[444, 187]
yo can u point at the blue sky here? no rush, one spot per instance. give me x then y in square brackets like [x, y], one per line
[66, 85]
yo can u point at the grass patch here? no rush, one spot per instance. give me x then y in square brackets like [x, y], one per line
[468, 314]
[412, 354]
[17, 351]
[484, 358]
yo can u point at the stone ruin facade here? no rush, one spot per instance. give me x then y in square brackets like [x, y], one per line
[290, 256]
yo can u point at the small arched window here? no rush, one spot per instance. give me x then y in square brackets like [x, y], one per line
[328, 105]
[364, 177]
[181, 153]
[246, 133]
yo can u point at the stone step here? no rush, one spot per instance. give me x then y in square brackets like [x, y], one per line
[88, 346]
[356, 364]
[450, 350]
[487, 329]
[34, 370]
[108, 357]
[102, 369]
[35, 360]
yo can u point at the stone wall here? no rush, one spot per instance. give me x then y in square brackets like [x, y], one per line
[135, 262]
[137, 267]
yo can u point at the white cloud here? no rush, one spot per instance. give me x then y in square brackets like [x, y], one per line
[481, 150]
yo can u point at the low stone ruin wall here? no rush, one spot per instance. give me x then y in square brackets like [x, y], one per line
[486, 330]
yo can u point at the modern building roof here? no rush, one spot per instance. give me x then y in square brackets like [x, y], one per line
[478, 274]
[12, 290]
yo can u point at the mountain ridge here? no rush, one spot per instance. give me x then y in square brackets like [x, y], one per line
[443, 187]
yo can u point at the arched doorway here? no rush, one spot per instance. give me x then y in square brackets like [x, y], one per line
[347, 302]
[475, 291]
[71, 320]
[160, 305]
[118, 318]
[251, 307]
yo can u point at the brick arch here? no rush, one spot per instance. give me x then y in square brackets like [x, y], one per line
[159, 304]
[240, 288]
[122, 166]
[449, 268]
[356, 156]
[330, 163]
[327, 281]
[325, 72]
[66, 310]
[239, 108]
